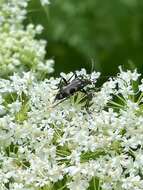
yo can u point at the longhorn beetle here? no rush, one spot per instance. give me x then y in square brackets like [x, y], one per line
[70, 87]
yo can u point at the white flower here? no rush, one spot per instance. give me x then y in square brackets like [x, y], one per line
[94, 76]
[51, 142]
[20, 50]
[39, 28]
[78, 184]
[15, 106]
[17, 186]
[128, 76]
[141, 86]
[81, 72]
[46, 67]
[132, 182]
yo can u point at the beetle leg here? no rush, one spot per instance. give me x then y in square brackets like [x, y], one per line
[65, 81]
[62, 82]
[74, 74]
[82, 90]
[88, 96]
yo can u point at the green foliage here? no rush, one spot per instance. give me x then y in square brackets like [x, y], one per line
[92, 155]
[109, 32]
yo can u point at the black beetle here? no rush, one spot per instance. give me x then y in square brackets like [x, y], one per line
[70, 87]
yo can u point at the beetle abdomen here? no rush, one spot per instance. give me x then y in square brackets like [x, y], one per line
[75, 86]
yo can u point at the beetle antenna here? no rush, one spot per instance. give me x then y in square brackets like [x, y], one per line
[92, 65]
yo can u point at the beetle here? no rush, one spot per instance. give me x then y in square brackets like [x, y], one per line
[70, 87]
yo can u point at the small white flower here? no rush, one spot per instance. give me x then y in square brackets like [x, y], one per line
[46, 67]
[17, 186]
[94, 76]
[39, 28]
[81, 72]
[15, 106]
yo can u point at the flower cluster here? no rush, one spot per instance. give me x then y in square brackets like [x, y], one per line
[90, 140]
[52, 145]
[19, 49]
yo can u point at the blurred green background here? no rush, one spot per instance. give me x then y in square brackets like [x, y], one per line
[79, 32]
